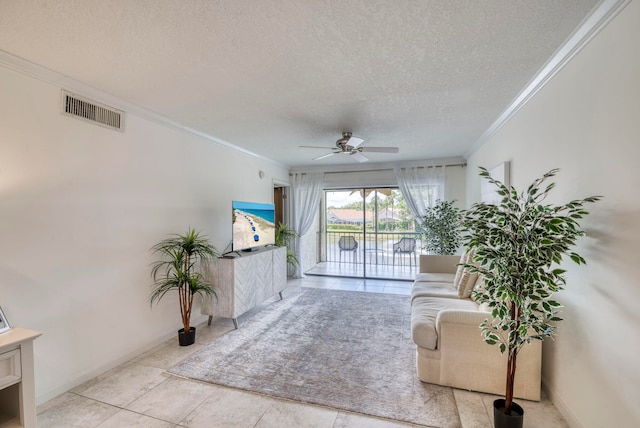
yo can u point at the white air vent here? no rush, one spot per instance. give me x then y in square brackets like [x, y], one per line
[92, 111]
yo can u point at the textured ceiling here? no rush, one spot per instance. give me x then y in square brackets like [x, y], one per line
[267, 76]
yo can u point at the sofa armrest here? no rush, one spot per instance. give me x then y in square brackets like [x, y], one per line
[438, 264]
[463, 324]
[469, 318]
[467, 362]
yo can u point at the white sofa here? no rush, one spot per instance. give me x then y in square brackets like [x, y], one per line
[450, 349]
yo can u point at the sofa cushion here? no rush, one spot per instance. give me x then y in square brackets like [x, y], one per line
[478, 285]
[459, 270]
[467, 282]
[435, 277]
[484, 307]
[424, 311]
[433, 289]
[467, 257]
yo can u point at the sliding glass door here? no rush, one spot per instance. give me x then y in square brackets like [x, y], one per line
[363, 234]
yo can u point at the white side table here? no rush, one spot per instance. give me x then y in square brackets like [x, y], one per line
[17, 383]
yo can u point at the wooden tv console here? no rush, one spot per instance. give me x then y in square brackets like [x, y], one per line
[245, 281]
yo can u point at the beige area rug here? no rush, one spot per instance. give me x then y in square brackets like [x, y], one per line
[342, 349]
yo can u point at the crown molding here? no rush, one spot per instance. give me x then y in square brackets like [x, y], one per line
[46, 75]
[599, 17]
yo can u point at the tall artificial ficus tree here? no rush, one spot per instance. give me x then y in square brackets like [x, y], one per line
[519, 245]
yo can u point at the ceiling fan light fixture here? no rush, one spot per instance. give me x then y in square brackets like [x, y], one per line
[350, 145]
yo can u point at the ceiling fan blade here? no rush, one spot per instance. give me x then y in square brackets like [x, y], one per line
[359, 157]
[380, 149]
[324, 156]
[354, 141]
[314, 147]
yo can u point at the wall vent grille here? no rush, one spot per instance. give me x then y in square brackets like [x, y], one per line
[91, 111]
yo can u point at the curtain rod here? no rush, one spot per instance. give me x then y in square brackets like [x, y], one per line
[387, 169]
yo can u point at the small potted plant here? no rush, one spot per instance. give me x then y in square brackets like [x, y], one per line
[180, 268]
[441, 228]
[519, 244]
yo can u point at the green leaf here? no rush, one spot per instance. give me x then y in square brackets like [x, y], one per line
[577, 258]
[519, 243]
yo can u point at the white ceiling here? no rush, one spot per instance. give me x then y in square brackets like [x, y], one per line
[429, 77]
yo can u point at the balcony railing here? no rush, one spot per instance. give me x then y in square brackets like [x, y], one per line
[373, 248]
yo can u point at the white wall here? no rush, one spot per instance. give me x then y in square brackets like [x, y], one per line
[586, 121]
[81, 206]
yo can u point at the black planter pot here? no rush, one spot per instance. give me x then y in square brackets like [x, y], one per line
[514, 420]
[188, 338]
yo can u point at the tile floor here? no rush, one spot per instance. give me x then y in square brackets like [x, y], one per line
[139, 393]
[404, 271]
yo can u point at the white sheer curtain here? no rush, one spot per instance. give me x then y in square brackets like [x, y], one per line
[421, 186]
[307, 191]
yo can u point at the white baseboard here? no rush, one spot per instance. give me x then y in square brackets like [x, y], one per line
[48, 395]
[566, 413]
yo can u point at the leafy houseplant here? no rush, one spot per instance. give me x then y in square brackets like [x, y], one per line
[182, 259]
[441, 227]
[519, 244]
[284, 237]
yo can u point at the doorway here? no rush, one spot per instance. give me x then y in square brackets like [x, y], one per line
[279, 197]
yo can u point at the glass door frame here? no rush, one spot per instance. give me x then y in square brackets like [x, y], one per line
[328, 243]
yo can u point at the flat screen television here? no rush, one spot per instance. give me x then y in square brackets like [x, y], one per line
[253, 225]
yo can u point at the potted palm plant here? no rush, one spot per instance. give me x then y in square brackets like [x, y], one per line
[519, 244]
[284, 237]
[441, 227]
[180, 268]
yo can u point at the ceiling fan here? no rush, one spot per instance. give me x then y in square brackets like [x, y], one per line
[351, 146]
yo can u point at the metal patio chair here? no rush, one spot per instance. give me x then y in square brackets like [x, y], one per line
[405, 246]
[350, 245]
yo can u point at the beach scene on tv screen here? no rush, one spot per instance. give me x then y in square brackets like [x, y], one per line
[253, 225]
